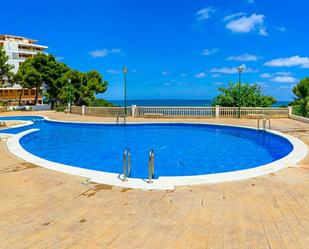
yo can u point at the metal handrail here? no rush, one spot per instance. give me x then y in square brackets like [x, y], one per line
[126, 161]
[124, 119]
[258, 123]
[150, 166]
[265, 122]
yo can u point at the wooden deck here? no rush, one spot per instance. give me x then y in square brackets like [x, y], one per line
[44, 209]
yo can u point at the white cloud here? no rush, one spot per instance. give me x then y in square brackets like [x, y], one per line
[113, 71]
[104, 52]
[251, 1]
[243, 57]
[216, 75]
[289, 62]
[200, 75]
[232, 70]
[263, 32]
[281, 29]
[232, 16]
[265, 75]
[210, 51]
[183, 75]
[204, 14]
[218, 83]
[247, 24]
[165, 73]
[284, 79]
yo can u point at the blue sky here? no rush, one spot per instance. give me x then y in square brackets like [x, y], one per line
[174, 49]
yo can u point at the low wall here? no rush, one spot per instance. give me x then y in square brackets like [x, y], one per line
[2, 109]
[182, 112]
[299, 118]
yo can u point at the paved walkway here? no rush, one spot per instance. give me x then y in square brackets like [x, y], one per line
[41, 208]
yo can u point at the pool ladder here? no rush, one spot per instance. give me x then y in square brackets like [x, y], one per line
[150, 166]
[124, 119]
[264, 120]
[126, 164]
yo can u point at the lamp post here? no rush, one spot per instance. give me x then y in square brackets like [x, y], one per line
[240, 69]
[69, 95]
[125, 71]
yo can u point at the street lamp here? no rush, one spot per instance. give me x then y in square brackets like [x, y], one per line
[125, 71]
[240, 69]
[69, 95]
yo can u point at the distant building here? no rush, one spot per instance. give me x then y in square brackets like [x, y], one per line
[18, 50]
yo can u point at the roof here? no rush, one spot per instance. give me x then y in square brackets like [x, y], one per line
[17, 37]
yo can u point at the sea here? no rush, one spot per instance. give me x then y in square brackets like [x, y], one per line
[175, 102]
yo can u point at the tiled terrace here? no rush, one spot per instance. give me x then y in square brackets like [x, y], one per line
[41, 208]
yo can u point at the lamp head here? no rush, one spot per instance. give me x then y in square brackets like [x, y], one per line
[125, 70]
[240, 69]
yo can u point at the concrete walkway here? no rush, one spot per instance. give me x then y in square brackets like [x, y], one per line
[41, 208]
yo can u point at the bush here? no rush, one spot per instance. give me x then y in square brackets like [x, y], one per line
[101, 103]
[250, 96]
[61, 108]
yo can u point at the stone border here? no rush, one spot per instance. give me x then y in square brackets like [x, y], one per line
[25, 123]
[162, 183]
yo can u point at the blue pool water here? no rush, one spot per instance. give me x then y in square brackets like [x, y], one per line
[180, 149]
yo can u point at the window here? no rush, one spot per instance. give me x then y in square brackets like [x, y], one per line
[15, 56]
[32, 92]
[25, 92]
[5, 92]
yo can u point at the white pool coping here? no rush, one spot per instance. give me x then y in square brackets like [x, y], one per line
[299, 152]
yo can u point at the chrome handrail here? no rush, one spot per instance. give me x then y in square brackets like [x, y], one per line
[126, 161]
[265, 122]
[258, 123]
[124, 119]
[150, 166]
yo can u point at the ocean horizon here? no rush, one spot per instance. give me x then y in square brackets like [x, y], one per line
[176, 102]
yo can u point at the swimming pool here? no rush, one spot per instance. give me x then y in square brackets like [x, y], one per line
[181, 149]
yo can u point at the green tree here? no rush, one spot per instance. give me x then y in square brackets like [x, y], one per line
[41, 70]
[250, 96]
[301, 90]
[31, 73]
[83, 87]
[44, 69]
[5, 68]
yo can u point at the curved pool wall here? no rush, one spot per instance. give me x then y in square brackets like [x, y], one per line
[191, 151]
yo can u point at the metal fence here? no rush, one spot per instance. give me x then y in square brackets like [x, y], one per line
[181, 112]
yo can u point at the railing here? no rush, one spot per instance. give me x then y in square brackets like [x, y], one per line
[228, 112]
[182, 112]
[107, 111]
[151, 166]
[29, 108]
[174, 112]
[126, 164]
[270, 111]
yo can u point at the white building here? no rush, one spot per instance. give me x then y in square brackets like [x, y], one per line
[19, 48]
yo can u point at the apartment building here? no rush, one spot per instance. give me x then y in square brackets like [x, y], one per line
[18, 49]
